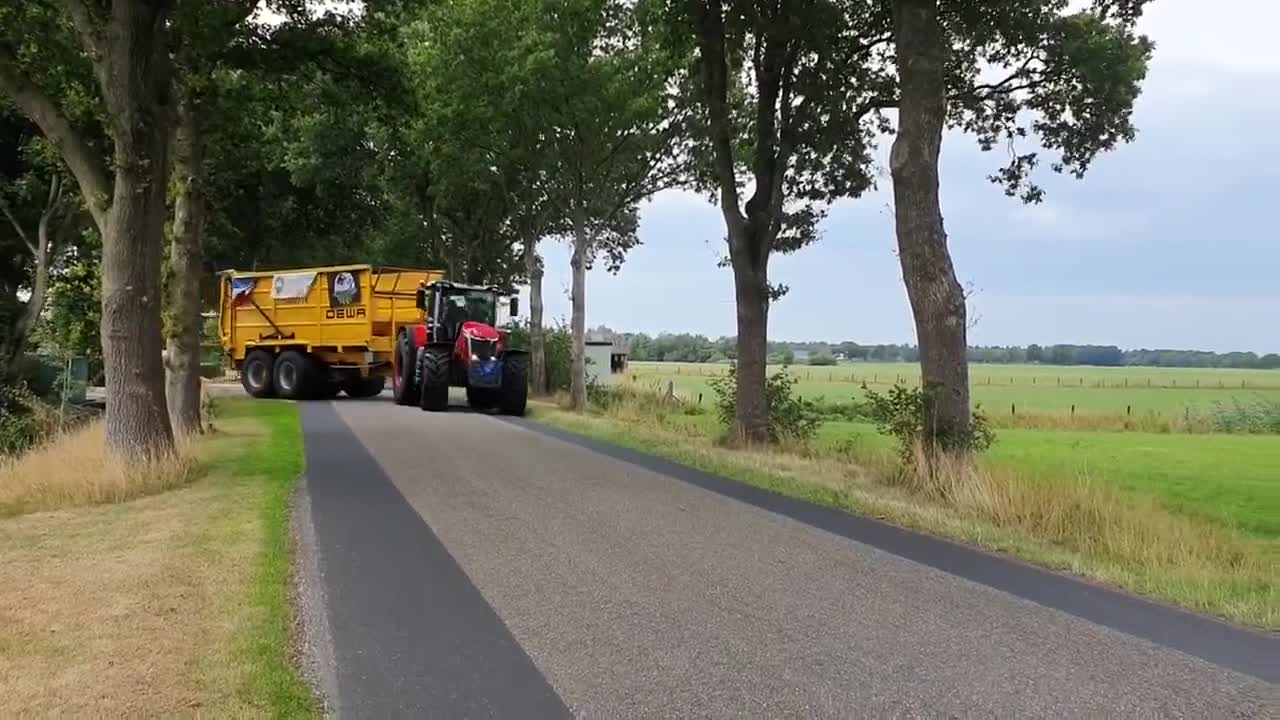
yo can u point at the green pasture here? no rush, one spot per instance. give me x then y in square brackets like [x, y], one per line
[1008, 388]
[1232, 479]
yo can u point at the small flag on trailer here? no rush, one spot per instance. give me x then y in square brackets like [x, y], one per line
[241, 289]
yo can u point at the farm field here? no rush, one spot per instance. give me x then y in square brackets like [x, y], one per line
[1002, 389]
[1230, 479]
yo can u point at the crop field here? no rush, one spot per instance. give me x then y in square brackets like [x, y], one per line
[1231, 479]
[1005, 389]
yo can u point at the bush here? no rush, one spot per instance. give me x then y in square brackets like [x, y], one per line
[1257, 415]
[558, 348]
[791, 417]
[900, 414]
[822, 359]
[25, 419]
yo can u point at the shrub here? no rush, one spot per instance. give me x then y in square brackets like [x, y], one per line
[558, 349]
[791, 417]
[1256, 415]
[822, 359]
[900, 414]
[25, 419]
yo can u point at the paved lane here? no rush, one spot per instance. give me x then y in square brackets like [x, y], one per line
[622, 592]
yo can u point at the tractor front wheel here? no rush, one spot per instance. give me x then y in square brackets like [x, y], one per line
[434, 374]
[403, 386]
[514, 394]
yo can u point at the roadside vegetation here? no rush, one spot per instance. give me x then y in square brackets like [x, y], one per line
[1137, 531]
[153, 590]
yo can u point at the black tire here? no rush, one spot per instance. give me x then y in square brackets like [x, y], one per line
[257, 374]
[364, 387]
[514, 395]
[434, 394]
[295, 376]
[404, 385]
[482, 398]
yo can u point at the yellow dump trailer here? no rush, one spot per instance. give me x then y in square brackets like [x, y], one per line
[315, 332]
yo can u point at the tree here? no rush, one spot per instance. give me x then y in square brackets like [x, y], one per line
[783, 96]
[127, 47]
[615, 135]
[1071, 82]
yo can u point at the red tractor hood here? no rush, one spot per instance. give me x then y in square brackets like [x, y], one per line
[479, 331]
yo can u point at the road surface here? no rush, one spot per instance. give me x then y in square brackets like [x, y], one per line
[465, 565]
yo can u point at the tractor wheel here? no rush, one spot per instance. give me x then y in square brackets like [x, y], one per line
[364, 387]
[481, 398]
[434, 394]
[256, 375]
[514, 394]
[403, 382]
[295, 376]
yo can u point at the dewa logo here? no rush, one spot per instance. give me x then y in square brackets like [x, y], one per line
[344, 293]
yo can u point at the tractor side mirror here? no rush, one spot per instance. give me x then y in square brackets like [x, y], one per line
[515, 306]
[420, 299]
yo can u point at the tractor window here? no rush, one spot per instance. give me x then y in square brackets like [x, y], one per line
[477, 305]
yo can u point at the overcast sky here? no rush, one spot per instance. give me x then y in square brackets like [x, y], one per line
[1171, 241]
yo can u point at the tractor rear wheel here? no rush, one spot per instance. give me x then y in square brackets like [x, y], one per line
[434, 374]
[364, 387]
[514, 394]
[295, 376]
[257, 374]
[403, 387]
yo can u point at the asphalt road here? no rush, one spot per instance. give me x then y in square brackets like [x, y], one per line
[471, 566]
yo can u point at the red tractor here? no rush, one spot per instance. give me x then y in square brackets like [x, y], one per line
[460, 345]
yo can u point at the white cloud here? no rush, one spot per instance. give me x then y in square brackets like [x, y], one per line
[1236, 35]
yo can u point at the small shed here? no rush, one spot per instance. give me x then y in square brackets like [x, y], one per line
[606, 360]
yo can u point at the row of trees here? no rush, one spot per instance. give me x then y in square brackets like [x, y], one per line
[685, 347]
[156, 141]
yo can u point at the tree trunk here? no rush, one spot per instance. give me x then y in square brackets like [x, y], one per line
[186, 259]
[937, 300]
[42, 251]
[136, 86]
[751, 295]
[537, 341]
[578, 321]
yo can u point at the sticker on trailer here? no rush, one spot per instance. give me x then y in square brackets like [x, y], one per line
[291, 286]
[241, 289]
[344, 289]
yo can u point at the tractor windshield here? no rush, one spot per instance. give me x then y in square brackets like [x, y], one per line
[477, 305]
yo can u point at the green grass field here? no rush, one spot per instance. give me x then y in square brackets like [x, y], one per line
[1230, 479]
[1041, 388]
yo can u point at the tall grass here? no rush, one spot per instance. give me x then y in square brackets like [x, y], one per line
[73, 468]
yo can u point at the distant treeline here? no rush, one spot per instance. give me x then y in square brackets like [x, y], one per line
[701, 349]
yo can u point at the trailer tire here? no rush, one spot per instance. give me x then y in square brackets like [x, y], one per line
[404, 383]
[295, 376]
[257, 374]
[364, 387]
[514, 395]
[434, 393]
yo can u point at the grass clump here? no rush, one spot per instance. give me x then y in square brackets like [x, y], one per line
[73, 468]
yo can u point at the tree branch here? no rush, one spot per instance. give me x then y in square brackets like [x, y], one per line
[86, 26]
[710, 18]
[85, 162]
[17, 226]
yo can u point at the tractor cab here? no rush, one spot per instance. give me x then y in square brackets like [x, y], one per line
[449, 306]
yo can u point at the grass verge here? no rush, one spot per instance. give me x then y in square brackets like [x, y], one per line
[1082, 527]
[171, 603]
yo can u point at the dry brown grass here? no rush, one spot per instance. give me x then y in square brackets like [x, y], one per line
[74, 469]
